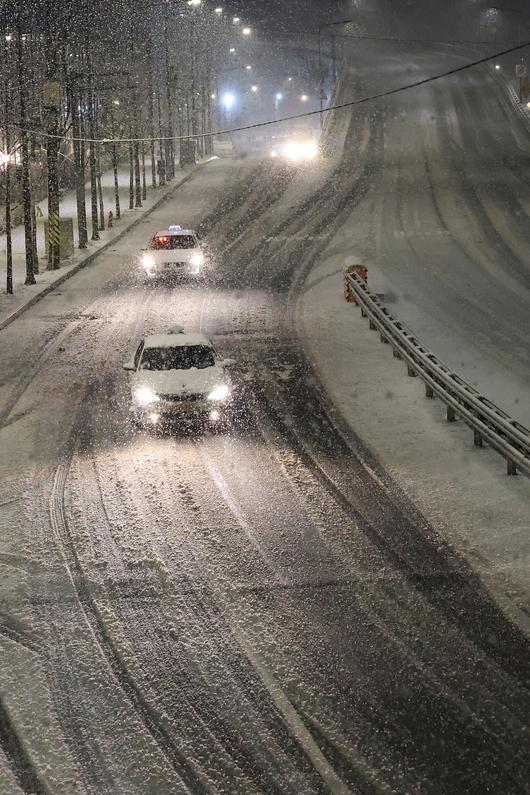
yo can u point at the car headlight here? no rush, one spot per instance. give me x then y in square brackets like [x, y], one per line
[148, 261]
[145, 396]
[197, 259]
[219, 394]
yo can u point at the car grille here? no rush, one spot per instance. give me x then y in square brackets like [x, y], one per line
[194, 398]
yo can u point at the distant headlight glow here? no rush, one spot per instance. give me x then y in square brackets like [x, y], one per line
[145, 396]
[197, 259]
[219, 394]
[297, 150]
[148, 261]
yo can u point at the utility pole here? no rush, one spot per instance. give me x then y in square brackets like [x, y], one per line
[7, 140]
[24, 152]
[151, 119]
[79, 157]
[92, 147]
[51, 102]
[170, 143]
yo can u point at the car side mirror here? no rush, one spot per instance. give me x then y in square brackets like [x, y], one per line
[129, 366]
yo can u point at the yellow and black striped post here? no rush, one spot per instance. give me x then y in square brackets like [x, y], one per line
[54, 241]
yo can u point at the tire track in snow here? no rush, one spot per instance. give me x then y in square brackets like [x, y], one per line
[102, 637]
[232, 666]
[19, 759]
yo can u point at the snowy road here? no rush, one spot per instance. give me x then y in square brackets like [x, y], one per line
[251, 611]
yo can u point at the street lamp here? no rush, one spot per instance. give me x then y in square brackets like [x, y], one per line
[254, 89]
[304, 98]
[246, 31]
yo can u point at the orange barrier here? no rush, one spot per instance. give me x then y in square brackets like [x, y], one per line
[362, 272]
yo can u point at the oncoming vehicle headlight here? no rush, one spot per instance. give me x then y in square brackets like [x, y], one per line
[197, 259]
[219, 394]
[148, 261]
[301, 150]
[145, 396]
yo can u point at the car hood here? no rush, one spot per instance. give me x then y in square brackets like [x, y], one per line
[180, 382]
[175, 255]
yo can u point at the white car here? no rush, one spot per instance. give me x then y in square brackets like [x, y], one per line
[173, 253]
[179, 376]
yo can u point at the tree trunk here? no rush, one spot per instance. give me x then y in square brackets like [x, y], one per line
[24, 154]
[131, 176]
[54, 225]
[116, 180]
[100, 190]
[79, 156]
[137, 174]
[144, 179]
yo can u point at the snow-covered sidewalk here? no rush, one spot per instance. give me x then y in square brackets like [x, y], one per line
[12, 305]
[463, 492]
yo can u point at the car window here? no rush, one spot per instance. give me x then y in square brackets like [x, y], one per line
[183, 241]
[181, 358]
[172, 242]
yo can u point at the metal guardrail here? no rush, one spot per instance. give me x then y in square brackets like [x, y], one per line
[488, 422]
[516, 102]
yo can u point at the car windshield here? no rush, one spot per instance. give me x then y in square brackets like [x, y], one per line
[179, 358]
[172, 242]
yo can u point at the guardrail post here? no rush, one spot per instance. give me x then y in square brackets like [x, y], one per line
[511, 468]
[384, 339]
[451, 416]
[396, 354]
[477, 439]
[411, 371]
[372, 325]
[429, 391]
[363, 312]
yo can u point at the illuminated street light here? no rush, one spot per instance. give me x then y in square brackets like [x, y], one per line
[232, 49]
[194, 2]
[254, 89]
[229, 101]
[304, 97]
[116, 101]
[246, 31]
[248, 68]
[5, 159]
[236, 20]
[212, 96]
[497, 66]
[219, 10]
[279, 97]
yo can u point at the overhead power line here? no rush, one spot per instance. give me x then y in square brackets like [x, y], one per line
[307, 114]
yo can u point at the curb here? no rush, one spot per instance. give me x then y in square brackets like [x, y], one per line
[91, 257]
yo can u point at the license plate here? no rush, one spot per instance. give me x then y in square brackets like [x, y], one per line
[184, 408]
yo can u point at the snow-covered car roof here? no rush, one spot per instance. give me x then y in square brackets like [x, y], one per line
[176, 339]
[174, 233]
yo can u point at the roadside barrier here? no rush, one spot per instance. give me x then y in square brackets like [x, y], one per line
[490, 424]
[362, 272]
